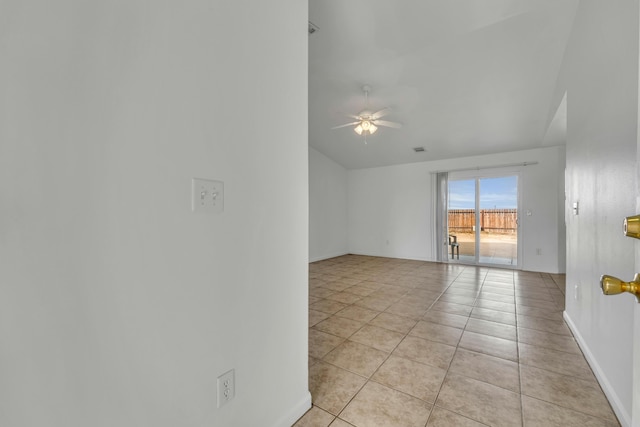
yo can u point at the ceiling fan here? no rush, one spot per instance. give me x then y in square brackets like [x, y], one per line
[367, 122]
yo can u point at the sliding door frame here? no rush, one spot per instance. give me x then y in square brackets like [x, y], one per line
[477, 175]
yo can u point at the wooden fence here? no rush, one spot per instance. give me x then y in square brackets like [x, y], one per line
[491, 220]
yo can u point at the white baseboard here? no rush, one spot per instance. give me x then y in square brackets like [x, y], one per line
[393, 255]
[323, 257]
[295, 413]
[623, 416]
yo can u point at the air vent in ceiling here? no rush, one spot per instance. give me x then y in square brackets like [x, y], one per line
[419, 149]
[312, 28]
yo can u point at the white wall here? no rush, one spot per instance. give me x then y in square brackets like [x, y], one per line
[118, 306]
[600, 72]
[391, 208]
[327, 207]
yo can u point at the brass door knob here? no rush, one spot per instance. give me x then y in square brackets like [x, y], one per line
[612, 285]
[631, 226]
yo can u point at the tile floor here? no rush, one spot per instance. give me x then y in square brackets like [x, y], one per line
[408, 343]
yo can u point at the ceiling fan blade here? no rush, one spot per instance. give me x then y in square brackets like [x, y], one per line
[381, 113]
[387, 124]
[352, 116]
[345, 125]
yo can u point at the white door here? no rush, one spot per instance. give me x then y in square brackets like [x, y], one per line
[636, 358]
[635, 415]
[636, 330]
[613, 286]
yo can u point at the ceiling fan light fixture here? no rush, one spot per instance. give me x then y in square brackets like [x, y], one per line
[366, 120]
[365, 127]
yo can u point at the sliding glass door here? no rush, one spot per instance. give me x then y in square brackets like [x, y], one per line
[483, 219]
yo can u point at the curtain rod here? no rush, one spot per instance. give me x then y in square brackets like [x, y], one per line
[487, 167]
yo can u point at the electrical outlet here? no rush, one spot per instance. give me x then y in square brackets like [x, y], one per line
[576, 292]
[226, 387]
[538, 251]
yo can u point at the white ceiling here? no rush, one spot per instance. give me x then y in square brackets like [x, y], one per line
[464, 77]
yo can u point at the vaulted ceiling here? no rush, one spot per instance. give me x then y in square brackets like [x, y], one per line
[463, 77]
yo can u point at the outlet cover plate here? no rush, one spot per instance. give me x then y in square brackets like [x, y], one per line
[207, 195]
[226, 387]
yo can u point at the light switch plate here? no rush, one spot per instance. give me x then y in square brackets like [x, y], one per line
[207, 195]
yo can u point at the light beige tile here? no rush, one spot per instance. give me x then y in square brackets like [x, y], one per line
[442, 418]
[533, 302]
[312, 361]
[336, 285]
[494, 329]
[316, 317]
[444, 318]
[339, 326]
[320, 292]
[328, 278]
[360, 290]
[509, 299]
[493, 346]
[424, 351]
[313, 299]
[458, 299]
[350, 281]
[424, 294]
[327, 306]
[451, 307]
[462, 291]
[381, 406]
[557, 361]
[344, 297]
[321, 343]
[393, 322]
[493, 370]
[417, 379]
[548, 340]
[496, 305]
[435, 332]
[480, 401]
[494, 316]
[545, 313]
[499, 280]
[314, 282]
[315, 417]
[391, 293]
[569, 392]
[401, 308]
[340, 423]
[374, 303]
[500, 290]
[331, 387]
[553, 326]
[539, 294]
[378, 338]
[370, 284]
[354, 312]
[543, 414]
[357, 358]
